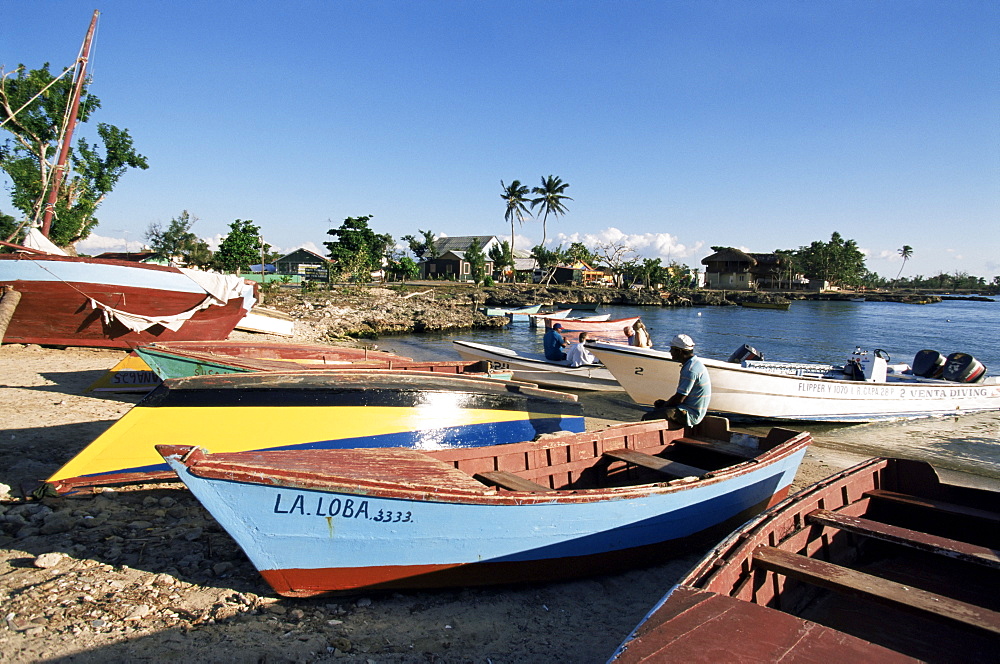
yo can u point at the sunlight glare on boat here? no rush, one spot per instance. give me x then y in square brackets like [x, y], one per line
[435, 412]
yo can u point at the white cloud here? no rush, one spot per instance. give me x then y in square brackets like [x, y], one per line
[308, 246]
[214, 241]
[97, 244]
[647, 245]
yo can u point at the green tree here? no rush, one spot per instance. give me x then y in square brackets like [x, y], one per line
[906, 252]
[422, 247]
[8, 229]
[33, 106]
[403, 268]
[578, 251]
[241, 248]
[651, 272]
[177, 242]
[548, 261]
[477, 262]
[837, 261]
[503, 259]
[516, 208]
[551, 197]
[357, 250]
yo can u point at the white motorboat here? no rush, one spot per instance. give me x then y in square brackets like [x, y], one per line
[866, 389]
[534, 368]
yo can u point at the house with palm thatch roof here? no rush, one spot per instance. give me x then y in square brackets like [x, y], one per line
[738, 270]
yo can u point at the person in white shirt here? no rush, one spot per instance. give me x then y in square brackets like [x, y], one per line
[577, 355]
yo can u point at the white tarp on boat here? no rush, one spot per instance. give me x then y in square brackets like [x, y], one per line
[220, 289]
[35, 240]
[139, 323]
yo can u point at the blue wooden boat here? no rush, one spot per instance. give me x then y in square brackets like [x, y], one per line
[318, 521]
[317, 410]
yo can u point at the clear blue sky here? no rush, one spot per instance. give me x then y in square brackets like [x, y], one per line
[678, 125]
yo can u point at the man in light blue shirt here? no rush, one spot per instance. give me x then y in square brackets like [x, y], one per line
[689, 404]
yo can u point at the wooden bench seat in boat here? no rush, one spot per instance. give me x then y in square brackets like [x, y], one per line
[729, 449]
[914, 539]
[665, 466]
[934, 504]
[859, 584]
[511, 482]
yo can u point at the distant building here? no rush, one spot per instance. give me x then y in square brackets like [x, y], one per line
[578, 273]
[738, 270]
[525, 265]
[133, 257]
[450, 262]
[302, 262]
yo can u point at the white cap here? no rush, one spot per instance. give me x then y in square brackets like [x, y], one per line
[682, 341]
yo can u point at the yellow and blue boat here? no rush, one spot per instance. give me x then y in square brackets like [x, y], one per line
[305, 410]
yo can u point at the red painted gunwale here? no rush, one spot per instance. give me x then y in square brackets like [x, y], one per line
[270, 350]
[409, 474]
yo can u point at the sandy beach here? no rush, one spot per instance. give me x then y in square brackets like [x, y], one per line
[143, 573]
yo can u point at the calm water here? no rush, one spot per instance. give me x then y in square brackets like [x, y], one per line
[816, 332]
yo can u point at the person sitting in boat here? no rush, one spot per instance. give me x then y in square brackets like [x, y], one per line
[640, 337]
[577, 355]
[553, 342]
[689, 404]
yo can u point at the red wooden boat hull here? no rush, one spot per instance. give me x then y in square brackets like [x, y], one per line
[881, 562]
[56, 310]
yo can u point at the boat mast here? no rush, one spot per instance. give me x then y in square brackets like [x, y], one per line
[60, 168]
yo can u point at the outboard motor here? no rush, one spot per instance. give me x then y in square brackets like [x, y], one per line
[746, 352]
[928, 364]
[963, 368]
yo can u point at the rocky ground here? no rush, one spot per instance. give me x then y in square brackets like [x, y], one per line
[143, 573]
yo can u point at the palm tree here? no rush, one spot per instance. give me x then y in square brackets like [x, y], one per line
[905, 252]
[516, 208]
[551, 199]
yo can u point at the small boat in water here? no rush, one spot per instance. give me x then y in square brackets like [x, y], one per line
[883, 562]
[316, 410]
[319, 521]
[599, 328]
[865, 389]
[592, 324]
[183, 359]
[539, 319]
[780, 306]
[516, 311]
[534, 368]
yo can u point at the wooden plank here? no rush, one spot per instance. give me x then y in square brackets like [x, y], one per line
[859, 584]
[938, 505]
[719, 446]
[914, 539]
[510, 481]
[672, 468]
